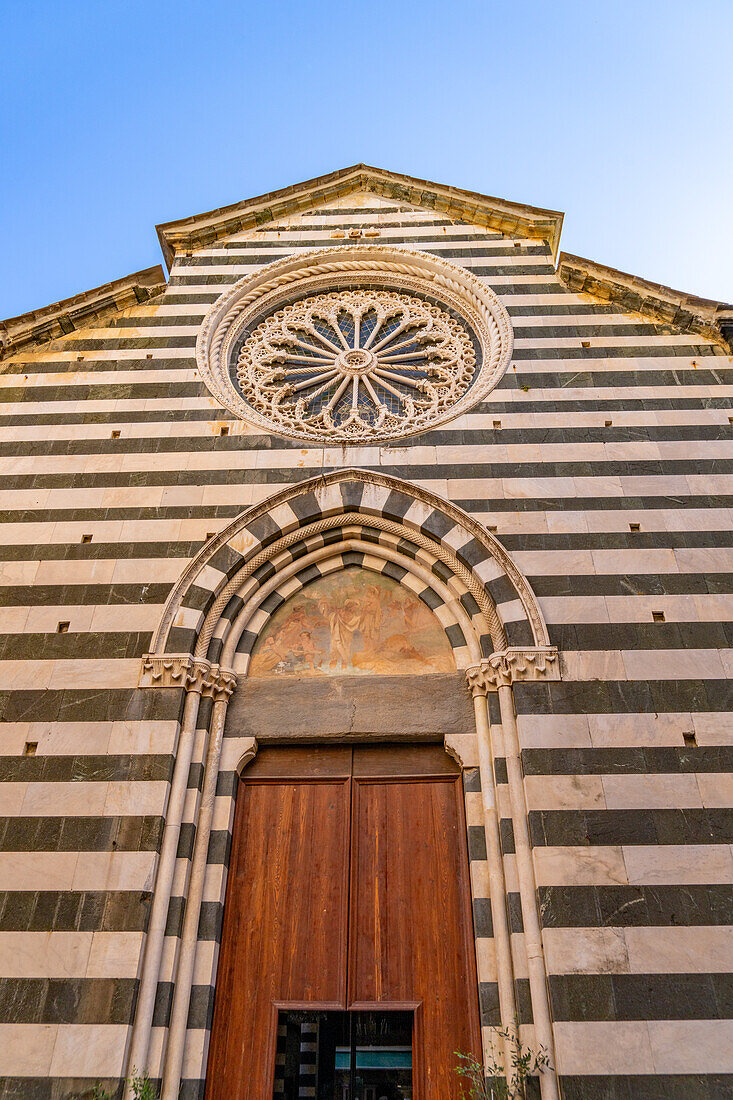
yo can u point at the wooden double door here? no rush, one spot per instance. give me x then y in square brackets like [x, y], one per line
[348, 890]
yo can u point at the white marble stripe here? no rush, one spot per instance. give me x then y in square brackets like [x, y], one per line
[639, 865]
[487, 253]
[659, 791]
[62, 1050]
[93, 571]
[531, 562]
[613, 1047]
[77, 870]
[594, 394]
[75, 356]
[70, 954]
[236, 271]
[474, 421]
[604, 364]
[83, 799]
[97, 618]
[705, 607]
[647, 664]
[69, 674]
[91, 738]
[590, 394]
[621, 562]
[541, 320]
[243, 267]
[506, 522]
[321, 229]
[623, 729]
[612, 364]
[138, 331]
[445, 458]
[639, 950]
[70, 379]
[589, 343]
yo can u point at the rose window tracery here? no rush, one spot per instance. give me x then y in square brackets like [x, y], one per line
[361, 345]
[348, 364]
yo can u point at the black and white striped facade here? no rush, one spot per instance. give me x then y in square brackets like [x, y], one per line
[571, 534]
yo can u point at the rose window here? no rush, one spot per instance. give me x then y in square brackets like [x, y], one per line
[354, 364]
[363, 344]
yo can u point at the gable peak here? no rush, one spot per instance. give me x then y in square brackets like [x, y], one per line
[346, 184]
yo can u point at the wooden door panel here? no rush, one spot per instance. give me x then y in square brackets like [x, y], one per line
[285, 924]
[390, 761]
[335, 852]
[411, 932]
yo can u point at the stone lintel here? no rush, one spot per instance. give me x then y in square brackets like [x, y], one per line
[301, 709]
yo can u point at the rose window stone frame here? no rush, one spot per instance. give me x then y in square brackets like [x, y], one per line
[252, 339]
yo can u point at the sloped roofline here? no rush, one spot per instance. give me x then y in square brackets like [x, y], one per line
[204, 230]
[39, 326]
[631, 294]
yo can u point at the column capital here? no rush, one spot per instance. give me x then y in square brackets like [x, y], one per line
[516, 663]
[183, 670]
[219, 684]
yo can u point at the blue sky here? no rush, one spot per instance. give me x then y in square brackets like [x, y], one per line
[115, 117]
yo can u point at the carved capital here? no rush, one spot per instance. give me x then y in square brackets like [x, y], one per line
[219, 683]
[199, 675]
[173, 670]
[181, 670]
[510, 665]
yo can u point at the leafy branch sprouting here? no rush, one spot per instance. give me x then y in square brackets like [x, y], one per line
[490, 1082]
[141, 1086]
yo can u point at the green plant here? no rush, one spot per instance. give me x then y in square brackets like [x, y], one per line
[97, 1092]
[490, 1082]
[142, 1087]
[140, 1084]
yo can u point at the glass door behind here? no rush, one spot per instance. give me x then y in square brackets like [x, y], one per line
[344, 1055]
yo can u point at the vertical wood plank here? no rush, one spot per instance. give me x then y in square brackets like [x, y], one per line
[284, 935]
[411, 932]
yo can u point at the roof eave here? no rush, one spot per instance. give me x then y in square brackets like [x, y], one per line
[51, 322]
[632, 294]
[204, 230]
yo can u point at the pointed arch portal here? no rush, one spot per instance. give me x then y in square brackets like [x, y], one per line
[276, 564]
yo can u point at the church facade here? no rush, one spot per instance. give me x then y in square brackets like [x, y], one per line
[366, 652]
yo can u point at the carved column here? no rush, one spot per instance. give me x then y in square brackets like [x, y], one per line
[497, 673]
[198, 678]
[222, 683]
[497, 885]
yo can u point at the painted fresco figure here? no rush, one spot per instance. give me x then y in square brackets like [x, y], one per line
[344, 622]
[371, 617]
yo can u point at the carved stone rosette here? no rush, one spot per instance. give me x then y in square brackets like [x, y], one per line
[181, 670]
[356, 363]
[514, 664]
[248, 341]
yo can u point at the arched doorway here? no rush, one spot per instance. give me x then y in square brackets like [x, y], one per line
[347, 967]
[205, 646]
